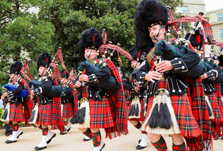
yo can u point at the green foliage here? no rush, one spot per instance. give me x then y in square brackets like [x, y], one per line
[60, 23]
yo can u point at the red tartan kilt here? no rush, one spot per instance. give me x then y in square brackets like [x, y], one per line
[215, 107]
[182, 108]
[16, 113]
[68, 110]
[100, 114]
[45, 114]
[142, 117]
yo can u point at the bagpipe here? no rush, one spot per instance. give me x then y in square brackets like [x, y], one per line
[10, 87]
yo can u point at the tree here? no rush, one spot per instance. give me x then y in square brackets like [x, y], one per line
[70, 18]
[21, 30]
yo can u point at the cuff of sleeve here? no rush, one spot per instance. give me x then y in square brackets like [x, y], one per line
[212, 74]
[179, 65]
[92, 78]
[10, 94]
[142, 79]
[63, 93]
[38, 91]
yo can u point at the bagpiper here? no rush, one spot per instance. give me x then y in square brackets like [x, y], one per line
[105, 106]
[168, 110]
[136, 98]
[46, 99]
[16, 97]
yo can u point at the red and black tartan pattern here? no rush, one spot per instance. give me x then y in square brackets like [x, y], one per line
[45, 114]
[107, 47]
[68, 110]
[215, 107]
[217, 86]
[118, 106]
[100, 114]
[187, 124]
[16, 113]
[199, 108]
[142, 117]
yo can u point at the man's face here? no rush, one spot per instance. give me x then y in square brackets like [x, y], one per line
[63, 80]
[154, 31]
[42, 70]
[13, 77]
[135, 64]
[90, 54]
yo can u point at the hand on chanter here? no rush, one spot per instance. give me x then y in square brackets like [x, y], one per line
[204, 76]
[137, 88]
[4, 95]
[83, 78]
[77, 84]
[153, 75]
[31, 94]
[164, 66]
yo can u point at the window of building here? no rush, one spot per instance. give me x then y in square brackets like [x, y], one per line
[220, 16]
[221, 33]
[185, 9]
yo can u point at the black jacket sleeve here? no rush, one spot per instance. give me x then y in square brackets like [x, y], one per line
[18, 90]
[140, 75]
[101, 75]
[127, 85]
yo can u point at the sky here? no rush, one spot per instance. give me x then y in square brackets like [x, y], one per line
[213, 4]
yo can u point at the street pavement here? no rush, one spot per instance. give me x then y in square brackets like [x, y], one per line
[73, 141]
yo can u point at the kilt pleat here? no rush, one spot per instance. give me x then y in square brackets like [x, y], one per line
[100, 114]
[68, 110]
[16, 113]
[45, 114]
[215, 107]
[187, 124]
[142, 116]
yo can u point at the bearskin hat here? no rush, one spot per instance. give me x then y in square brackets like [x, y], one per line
[44, 59]
[196, 40]
[89, 38]
[137, 54]
[148, 13]
[220, 58]
[64, 73]
[16, 67]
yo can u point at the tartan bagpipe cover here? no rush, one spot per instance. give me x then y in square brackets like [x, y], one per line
[200, 112]
[118, 106]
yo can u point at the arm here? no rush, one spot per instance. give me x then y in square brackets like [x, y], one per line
[44, 88]
[17, 91]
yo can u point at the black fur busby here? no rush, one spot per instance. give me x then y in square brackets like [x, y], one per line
[16, 67]
[89, 38]
[137, 54]
[64, 73]
[44, 59]
[148, 12]
[196, 40]
[220, 58]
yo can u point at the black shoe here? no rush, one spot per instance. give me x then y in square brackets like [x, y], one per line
[54, 135]
[86, 139]
[40, 148]
[138, 147]
[10, 142]
[222, 138]
[139, 141]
